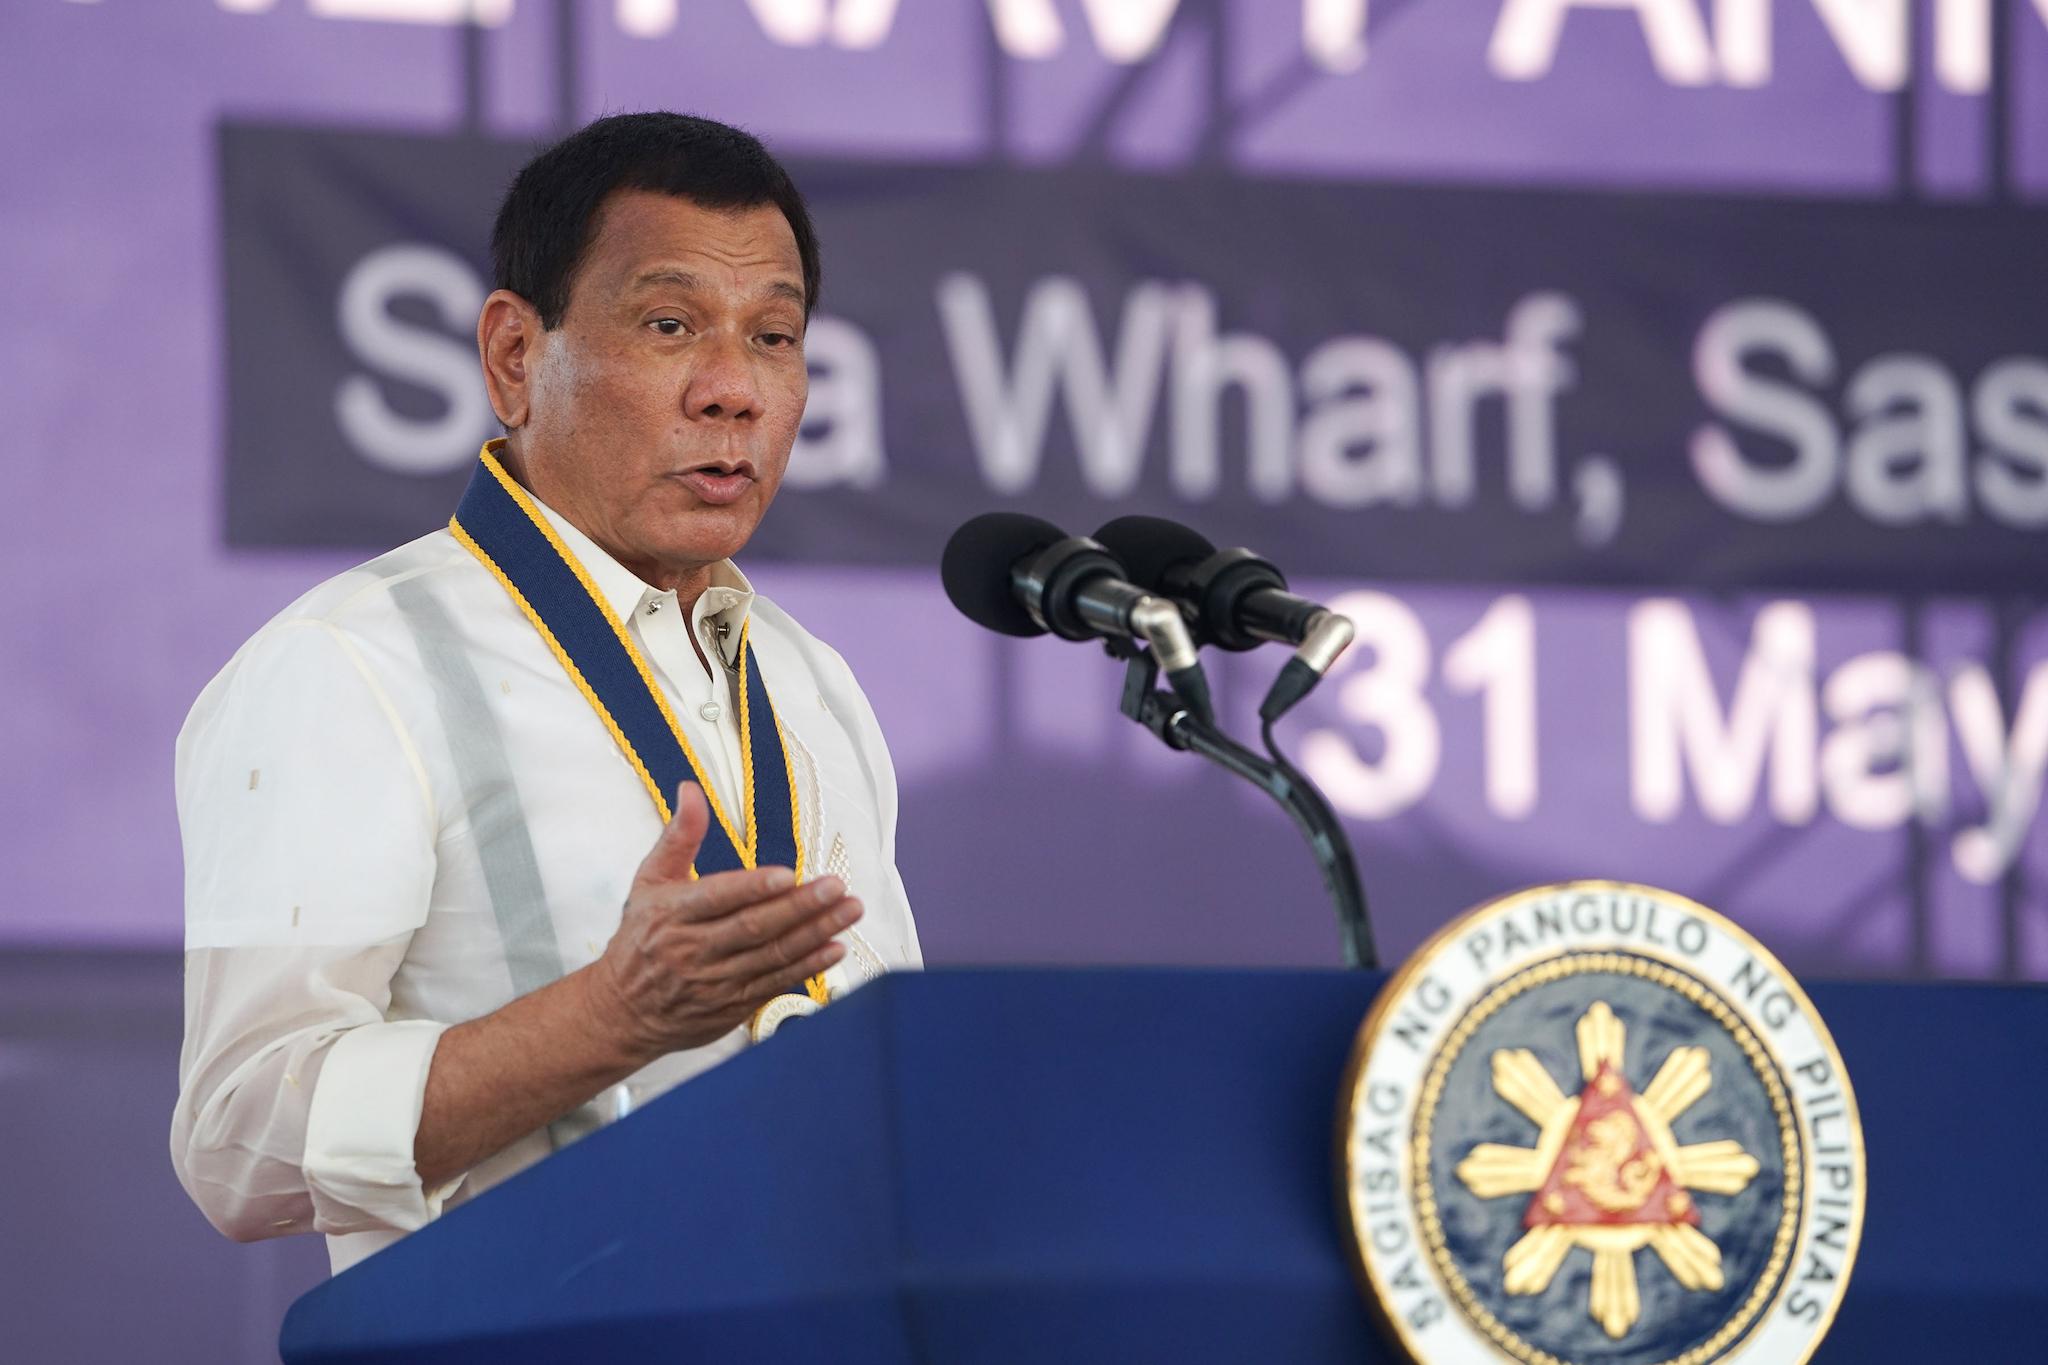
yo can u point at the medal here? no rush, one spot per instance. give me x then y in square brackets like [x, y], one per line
[499, 523]
[777, 1012]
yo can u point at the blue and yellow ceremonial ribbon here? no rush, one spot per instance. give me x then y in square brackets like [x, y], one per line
[499, 523]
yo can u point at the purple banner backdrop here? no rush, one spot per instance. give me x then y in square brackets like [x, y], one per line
[1854, 777]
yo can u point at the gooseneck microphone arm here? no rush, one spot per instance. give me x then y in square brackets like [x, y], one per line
[1165, 716]
[1318, 824]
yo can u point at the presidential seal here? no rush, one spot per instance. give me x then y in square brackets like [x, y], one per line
[1598, 1124]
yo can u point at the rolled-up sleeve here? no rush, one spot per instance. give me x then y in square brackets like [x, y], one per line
[309, 828]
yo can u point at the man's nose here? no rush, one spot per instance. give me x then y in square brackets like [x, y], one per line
[722, 384]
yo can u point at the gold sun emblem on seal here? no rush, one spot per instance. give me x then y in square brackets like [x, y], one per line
[1606, 1173]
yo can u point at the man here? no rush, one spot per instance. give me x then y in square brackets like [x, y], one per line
[501, 834]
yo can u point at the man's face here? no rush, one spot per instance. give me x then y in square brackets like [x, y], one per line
[661, 412]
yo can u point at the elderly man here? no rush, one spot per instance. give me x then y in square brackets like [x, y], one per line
[497, 836]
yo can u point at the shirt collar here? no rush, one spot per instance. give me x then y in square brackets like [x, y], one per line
[727, 599]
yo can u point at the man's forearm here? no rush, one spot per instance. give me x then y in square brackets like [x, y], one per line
[500, 1077]
[691, 959]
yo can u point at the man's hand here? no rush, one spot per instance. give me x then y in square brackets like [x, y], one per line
[695, 957]
[691, 960]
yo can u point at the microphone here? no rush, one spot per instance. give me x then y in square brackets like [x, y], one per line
[1021, 575]
[1236, 599]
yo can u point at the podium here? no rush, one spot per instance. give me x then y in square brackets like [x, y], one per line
[1080, 1166]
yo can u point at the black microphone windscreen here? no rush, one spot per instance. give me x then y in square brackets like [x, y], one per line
[1149, 546]
[977, 563]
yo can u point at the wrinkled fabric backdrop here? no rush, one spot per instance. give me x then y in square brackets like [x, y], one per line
[1662, 389]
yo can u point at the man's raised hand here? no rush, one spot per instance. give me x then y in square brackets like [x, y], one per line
[693, 958]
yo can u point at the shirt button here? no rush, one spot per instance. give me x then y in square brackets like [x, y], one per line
[711, 710]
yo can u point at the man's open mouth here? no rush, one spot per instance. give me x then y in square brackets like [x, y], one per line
[718, 484]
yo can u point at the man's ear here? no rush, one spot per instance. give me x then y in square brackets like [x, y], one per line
[508, 331]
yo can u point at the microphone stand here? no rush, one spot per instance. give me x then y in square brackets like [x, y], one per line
[1166, 716]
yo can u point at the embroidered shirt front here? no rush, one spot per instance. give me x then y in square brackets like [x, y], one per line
[398, 814]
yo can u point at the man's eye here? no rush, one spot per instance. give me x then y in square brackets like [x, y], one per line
[668, 327]
[778, 340]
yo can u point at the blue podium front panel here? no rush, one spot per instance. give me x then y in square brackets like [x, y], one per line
[1128, 1165]
[1954, 1262]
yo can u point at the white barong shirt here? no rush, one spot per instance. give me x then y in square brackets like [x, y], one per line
[398, 814]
